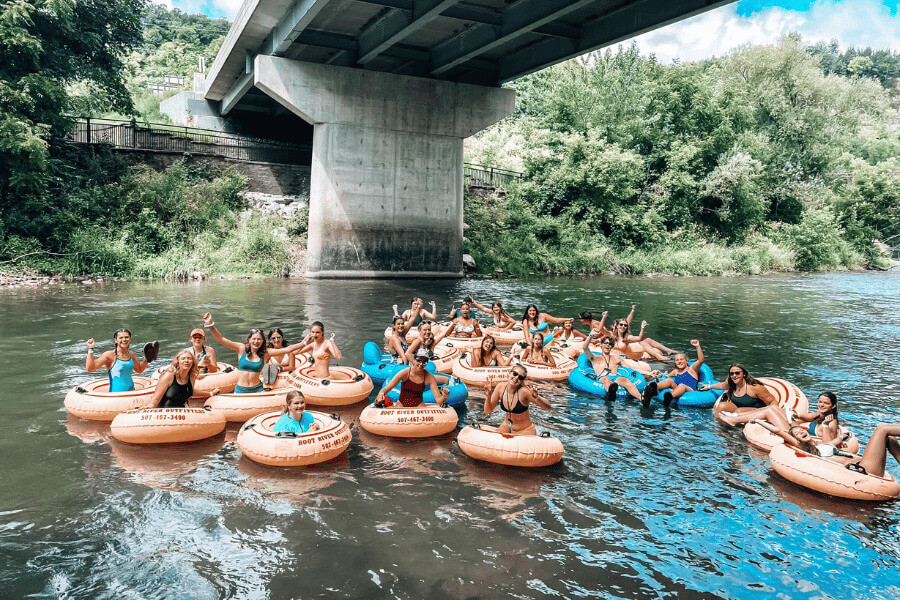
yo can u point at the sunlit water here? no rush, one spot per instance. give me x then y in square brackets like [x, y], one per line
[646, 504]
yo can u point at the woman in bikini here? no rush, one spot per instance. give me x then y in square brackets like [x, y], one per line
[176, 382]
[322, 350]
[567, 334]
[822, 424]
[276, 341]
[537, 353]
[745, 398]
[396, 343]
[413, 382]
[502, 319]
[882, 442]
[120, 363]
[415, 313]
[650, 346]
[426, 340]
[488, 355]
[465, 325]
[515, 399]
[634, 346]
[252, 355]
[534, 321]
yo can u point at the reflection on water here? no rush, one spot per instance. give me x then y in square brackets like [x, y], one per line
[646, 503]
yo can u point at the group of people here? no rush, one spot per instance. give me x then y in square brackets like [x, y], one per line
[260, 357]
[259, 360]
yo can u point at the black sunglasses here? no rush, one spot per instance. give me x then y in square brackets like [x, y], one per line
[519, 377]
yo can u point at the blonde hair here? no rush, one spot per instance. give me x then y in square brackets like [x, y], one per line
[194, 370]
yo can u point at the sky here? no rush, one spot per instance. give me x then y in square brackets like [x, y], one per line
[859, 23]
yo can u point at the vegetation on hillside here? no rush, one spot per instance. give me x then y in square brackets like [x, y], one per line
[772, 158]
[760, 160]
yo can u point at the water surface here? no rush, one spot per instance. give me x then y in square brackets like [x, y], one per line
[646, 504]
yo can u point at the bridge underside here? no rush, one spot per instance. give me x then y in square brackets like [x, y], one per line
[391, 88]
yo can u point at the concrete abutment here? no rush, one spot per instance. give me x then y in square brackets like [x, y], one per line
[386, 181]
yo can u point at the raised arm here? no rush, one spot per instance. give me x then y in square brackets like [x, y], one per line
[700, 358]
[410, 353]
[493, 399]
[481, 307]
[335, 351]
[638, 338]
[536, 399]
[630, 316]
[139, 365]
[430, 315]
[602, 324]
[209, 324]
[106, 359]
[552, 319]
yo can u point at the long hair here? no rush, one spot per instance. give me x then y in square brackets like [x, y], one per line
[193, 371]
[503, 312]
[262, 349]
[269, 344]
[750, 379]
[806, 446]
[615, 330]
[537, 314]
[834, 408]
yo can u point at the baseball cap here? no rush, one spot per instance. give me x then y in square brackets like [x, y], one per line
[196, 331]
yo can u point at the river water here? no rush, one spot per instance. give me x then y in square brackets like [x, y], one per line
[646, 504]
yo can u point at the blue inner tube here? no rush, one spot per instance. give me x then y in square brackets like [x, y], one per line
[582, 378]
[697, 399]
[380, 366]
[458, 393]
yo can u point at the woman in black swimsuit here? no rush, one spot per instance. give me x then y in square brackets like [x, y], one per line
[176, 383]
[514, 398]
[745, 397]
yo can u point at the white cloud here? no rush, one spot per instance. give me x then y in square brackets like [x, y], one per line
[852, 22]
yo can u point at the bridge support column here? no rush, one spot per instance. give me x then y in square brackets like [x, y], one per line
[386, 184]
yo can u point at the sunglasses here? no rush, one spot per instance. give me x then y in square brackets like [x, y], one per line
[733, 373]
[606, 343]
[518, 376]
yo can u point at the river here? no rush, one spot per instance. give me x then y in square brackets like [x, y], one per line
[646, 503]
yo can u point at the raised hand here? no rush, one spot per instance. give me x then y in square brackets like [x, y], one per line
[90, 343]
[207, 319]
[695, 343]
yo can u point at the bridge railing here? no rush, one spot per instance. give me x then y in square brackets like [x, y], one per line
[174, 139]
[482, 176]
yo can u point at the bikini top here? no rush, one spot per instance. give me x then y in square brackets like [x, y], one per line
[518, 409]
[320, 353]
[541, 328]
[253, 366]
[465, 328]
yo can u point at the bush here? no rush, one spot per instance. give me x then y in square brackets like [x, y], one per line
[818, 243]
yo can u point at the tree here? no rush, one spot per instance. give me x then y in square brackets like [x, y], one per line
[52, 49]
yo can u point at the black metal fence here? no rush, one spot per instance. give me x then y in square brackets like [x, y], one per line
[479, 175]
[187, 140]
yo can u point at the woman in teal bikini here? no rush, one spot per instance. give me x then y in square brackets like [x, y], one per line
[251, 356]
[120, 363]
[567, 334]
[535, 321]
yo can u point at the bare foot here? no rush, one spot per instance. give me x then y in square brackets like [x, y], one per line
[729, 417]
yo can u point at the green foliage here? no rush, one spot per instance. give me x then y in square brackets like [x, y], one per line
[644, 158]
[818, 243]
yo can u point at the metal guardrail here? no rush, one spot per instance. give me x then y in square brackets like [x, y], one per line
[482, 176]
[187, 140]
[160, 137]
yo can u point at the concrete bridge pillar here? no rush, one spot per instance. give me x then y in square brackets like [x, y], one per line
[386, 186]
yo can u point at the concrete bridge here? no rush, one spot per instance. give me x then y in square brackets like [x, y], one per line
[388, 90]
